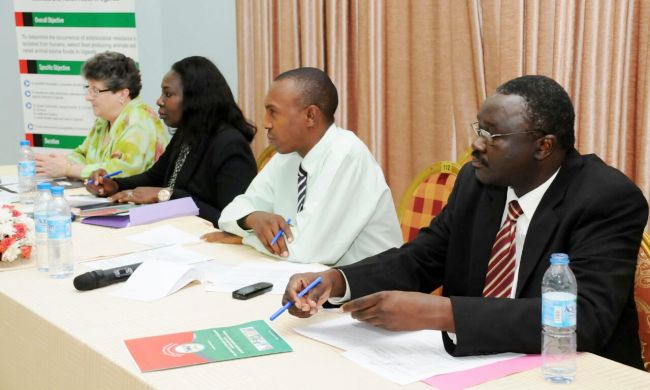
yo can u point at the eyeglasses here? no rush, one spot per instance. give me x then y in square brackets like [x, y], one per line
[93, 91]
[489, 137]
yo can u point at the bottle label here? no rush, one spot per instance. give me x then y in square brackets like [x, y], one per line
[559, 309]
[40, 222]
[27, 168]
[58, 229]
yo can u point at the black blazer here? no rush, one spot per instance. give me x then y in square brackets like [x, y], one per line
[591, 211]
[213, 174]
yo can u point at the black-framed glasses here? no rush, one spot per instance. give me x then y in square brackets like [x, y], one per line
[94, 91]
[489, 137]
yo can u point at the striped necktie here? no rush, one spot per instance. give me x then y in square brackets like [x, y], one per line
[501, 268]
[302, 187]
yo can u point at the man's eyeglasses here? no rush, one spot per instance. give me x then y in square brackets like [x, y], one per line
[93, 91]
[489, 137]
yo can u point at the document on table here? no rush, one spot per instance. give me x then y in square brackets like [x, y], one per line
[174, 253]
[227, 279]
[162, 236]
[402, 357]
[155, 279]
[84, 200]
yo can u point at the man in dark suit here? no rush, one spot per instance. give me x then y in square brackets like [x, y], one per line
[566, 203]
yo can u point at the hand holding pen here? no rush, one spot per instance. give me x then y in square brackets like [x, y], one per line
[331, 284]
[106, 176]
[272, 231]
[100, 183]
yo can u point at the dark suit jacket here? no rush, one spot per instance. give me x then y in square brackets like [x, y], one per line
[591, 211]
[213, 174]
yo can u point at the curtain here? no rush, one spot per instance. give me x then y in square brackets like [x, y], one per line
[411, 75]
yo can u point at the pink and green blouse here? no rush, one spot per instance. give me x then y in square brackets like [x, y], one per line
[135, 141]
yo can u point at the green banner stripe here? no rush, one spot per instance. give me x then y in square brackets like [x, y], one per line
[61, 141]
[59, 67]
[83, 19]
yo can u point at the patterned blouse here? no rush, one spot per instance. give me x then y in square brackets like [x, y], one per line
[132, 144]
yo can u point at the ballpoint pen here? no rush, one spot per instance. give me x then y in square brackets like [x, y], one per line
[279, 233]
[300, 295]
[107, 176]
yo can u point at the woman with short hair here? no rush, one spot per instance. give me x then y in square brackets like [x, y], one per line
[127, 135]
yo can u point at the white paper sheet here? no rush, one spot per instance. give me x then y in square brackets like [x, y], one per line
[163, 235]
[230, 278]
[155, 279]
[83, 200]
[403, 357]
[174, 253]
[8, 180]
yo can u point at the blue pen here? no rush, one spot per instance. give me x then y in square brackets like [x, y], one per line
[279, 233]
[91, 181]
[300, 295]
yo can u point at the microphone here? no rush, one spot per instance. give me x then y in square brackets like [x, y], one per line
[105, 277]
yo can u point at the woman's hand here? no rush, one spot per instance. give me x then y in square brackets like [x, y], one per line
[101, 186]
[140, 195]
[52, 165]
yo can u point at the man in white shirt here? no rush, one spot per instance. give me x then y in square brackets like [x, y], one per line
[323, 179]
[527, 194]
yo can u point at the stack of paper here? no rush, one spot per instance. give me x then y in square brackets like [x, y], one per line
[403, 357]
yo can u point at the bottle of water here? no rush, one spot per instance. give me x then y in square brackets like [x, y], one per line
[43, 197]
[26, 173]
[59, 235]
[559, 312]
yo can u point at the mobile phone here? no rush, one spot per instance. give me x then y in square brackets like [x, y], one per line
[253, 290]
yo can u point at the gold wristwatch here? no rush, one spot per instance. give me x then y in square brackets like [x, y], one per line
[164, 194]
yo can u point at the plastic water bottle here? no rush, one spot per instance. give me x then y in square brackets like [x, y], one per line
[59, 235]
[43, 197]
[559, 312]
[26, 173]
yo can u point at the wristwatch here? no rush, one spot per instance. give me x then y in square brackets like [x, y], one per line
[164, 194]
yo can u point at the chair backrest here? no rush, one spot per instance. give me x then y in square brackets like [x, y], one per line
[425, 197]
[642, 298]
[265, 157]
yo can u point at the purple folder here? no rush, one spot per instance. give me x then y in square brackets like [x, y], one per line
[147, 214]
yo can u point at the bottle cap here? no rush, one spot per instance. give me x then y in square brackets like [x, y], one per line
[44, 185]
[24, 143]
[559, 258]
[57, 190]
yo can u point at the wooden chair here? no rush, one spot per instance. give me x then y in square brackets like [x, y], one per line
[265, 157]
[425, 197]
[642, 298]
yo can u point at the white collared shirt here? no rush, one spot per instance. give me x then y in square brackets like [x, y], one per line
[348, 213]
[528, 203]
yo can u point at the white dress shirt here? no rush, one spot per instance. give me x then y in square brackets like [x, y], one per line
[348, 213]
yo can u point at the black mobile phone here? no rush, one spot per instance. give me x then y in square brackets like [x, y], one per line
[253, 290]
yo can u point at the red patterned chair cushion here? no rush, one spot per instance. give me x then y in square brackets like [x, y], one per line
[427, 201]
[642, 298]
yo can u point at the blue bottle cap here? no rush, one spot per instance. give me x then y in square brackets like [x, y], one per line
[24, 143]
[57, 190]
[44, 185]
[559, 258]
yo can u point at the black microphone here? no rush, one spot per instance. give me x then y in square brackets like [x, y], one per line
[103, 277]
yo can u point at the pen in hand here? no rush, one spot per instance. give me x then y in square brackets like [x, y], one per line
[279, 233]
[300, 295]
[107, 176]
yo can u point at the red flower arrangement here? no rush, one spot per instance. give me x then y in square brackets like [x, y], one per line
[16, 234]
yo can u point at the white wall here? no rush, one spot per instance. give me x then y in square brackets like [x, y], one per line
[168, 30]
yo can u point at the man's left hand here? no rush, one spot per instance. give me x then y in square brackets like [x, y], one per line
[401, 310]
